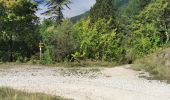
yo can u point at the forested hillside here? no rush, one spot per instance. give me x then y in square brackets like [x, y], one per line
[118, 31]
[79, 17]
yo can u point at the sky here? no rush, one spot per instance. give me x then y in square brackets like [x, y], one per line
[77, 7]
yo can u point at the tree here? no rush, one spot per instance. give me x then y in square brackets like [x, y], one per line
[2, 13]
[60, 41]
[166, 20]
[20, 23]
[99, 42]
[103, 9]
[135, 6]
[149, 29]
[55, 8]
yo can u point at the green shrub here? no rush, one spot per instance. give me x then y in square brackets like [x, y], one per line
[60, 40]
[98, 42]
[35, 59]
[46, 58]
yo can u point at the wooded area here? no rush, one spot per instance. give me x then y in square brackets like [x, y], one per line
[113, 30]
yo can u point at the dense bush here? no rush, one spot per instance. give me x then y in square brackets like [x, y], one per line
[60, 41]
[145, 31]
[100, 41]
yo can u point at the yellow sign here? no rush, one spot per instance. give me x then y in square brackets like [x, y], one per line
[41, 45]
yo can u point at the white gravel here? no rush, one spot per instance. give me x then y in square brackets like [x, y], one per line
[119, 83]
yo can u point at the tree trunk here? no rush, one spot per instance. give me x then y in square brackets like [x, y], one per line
[60, 15]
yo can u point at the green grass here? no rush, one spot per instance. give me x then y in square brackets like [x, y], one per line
[8, 65]
[11, 94]
[157, 64]
[85, 63]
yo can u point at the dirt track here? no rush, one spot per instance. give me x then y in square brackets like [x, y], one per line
[119, 83]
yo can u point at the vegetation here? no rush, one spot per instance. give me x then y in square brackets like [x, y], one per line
[11, 94]
[116, 31]
[60, 41]
[103, 10]
[18, 35]
[157, 64]
[79, 17]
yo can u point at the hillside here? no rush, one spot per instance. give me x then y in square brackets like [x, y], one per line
[158, 64]
[119, 4]
[78, 17]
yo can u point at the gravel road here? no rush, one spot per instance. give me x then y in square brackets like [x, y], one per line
[119, 83]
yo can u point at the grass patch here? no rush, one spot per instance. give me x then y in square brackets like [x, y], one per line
[86, 63]
[11, 94]
[157, 64]
[7, 65]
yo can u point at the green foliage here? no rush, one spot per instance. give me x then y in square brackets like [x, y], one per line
[79, 17]
[146, 30]
[127, 12]
[115, 30]
[120, 3]
[60, 41]
[98, 42]
[18, 28]
[153, 28]
[103, 9]
[143, 41]
[149, 28]
[46, 59]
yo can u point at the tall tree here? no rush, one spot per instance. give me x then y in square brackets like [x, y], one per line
[60, 41]
[20, 24]
[150, 29]
[166, 20]
[103, 9]
[2, 13]
[135, 6]
[55, 8]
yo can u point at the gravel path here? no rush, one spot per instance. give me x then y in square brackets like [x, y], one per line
[119, 83]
